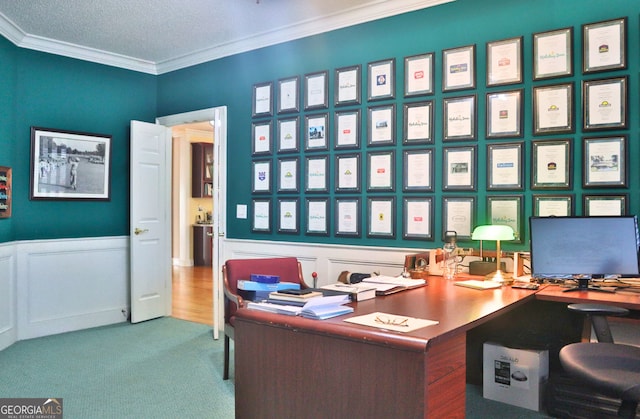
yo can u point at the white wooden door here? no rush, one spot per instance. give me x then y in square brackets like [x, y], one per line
[219, 219]
[150, 238]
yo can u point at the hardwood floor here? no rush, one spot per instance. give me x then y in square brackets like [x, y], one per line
[192, 294]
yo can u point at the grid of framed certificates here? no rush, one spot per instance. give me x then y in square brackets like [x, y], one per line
[312, 154]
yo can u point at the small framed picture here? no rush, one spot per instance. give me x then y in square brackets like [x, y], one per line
[459, 68]
[316, 94]
[381, 79]
[288, 89]
[317, 216]
[288, 135]
[381, 127]
[261, 176]
[504, 114]
[348, 85]
[504, 62]
[604, 104]
[418, 75]
[288, 174]
[262, 99]
[289, 217]
[600, 205]
[459, 168]
[315, 130]
[551, 164]
[506, 210]
[459, 118]
[604, 45]
[261, 216]
[418, 123]
[317, 170]
[347, 175]
[418, 171]
[552, 205]
[504, 167]
[347, 129]
[381, 171]
[458, 214]
[347, 217]
[382, 217]
[261, 134]
[553, 109]
[553, 54]
[418, 218]
[605, 162]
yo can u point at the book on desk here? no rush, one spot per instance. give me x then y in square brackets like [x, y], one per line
[386, 285]
[357, 292]
[318, 308]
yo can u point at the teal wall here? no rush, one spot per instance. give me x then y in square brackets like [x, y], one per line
[7, 115]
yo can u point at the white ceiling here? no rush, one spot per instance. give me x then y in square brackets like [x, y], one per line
[157, 36]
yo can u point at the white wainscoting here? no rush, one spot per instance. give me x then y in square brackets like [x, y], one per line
[8, 329]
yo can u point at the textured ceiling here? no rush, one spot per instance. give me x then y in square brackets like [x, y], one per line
[157, 36]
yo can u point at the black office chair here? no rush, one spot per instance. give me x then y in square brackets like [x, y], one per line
[609, 368]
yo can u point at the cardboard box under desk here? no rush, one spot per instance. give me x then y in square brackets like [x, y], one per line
[515, 376]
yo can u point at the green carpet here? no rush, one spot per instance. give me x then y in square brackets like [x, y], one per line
[163, 368]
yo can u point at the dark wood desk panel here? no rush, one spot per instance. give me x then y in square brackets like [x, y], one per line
[620, 299]
[295, 367]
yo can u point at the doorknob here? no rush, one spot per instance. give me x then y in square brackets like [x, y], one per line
[220, 234]
[210, 234]
[138, 231]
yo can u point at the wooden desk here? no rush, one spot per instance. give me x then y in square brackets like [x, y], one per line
[620, 299]
[291, 367]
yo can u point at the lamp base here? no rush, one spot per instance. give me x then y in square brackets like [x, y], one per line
[479, 267]
[499, 276]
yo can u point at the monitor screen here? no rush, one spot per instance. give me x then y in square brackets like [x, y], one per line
[593, 246]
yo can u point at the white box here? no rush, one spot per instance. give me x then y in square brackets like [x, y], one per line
[514, 376]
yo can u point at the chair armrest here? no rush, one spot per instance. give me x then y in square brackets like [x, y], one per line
[598, 309]
[234, 298]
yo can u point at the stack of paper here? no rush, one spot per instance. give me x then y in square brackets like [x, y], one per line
[386, 285]
[318, 308]
[357, 292]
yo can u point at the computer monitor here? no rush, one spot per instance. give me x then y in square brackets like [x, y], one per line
[583, 248]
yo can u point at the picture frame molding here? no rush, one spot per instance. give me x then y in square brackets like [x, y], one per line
[546, 108]
[593, 102]
[619, 201]
[422, 68]
[381, 73]
[349, 180]
[516, 184]
[288, 86]
[375, 121]
[385, 227]
[259, 130]
[497, 113]
[323, 140]
[593, 37]
[503, 53]
[453, 129]
[347, 208]
[314, 217]
[285, 206]
[295, 132]
[464, 60]
[564, 201]
[462, 220]
[416, 185]
[316, 93]
[261, 221]
[409, 233]
[590, 163]
[466, 155]
[381, 177]
[557, 47]
[552, 162]
[262, 104]
[340, 119]
[410, 122]
[513, 219]
[348, 79]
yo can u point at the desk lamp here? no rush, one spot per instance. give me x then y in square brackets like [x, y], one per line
[497, 233]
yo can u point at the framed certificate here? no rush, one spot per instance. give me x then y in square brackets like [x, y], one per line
[553, 109]
[604, 104]
[288, 216]
[315, 129]
[459, 168]
[459, 118]
[417, 220]
[348, 85]
[504, 62]
[506, 210]
[261, 134]
[604, 45]
[382, 217]
[347, 129]
[317, 216]
[594, 205]
[504, 166]
[552, 205]
[551, 164]
[262, 104]
[316, 95]
[458, 214]
[418, 171]
[288, 174]
[504, 114]
[553, 54]
[459, 68]
[418, 123]
[261, 176]
[347, 217]
[381, 79]
[605, 162]
[381, 171]
[381, 127]
[347, 175]
[317, 174]
[418, 75]
[288, 141]
[288, 99]
[261, 216]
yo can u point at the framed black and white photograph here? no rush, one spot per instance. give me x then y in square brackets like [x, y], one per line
[504, 114]
[347, 217]
[418, 75]
[553, 109]
[348, 85]
[288, 140]
[605, 205]
[261, 222]
[381, 125]
[417, 220]
[317, 174]
[553, 54]
[382, 217]
[288, 96]
[70, 165]
[458, 214]
[459, 118]
[347, 177]
[504, 62]
[604, 45]
[552, 205]
[317, 216]
[505, 168]
[288, 176]
[605, 162]
[262, 104]
[347, 129]
[381, 167]
[506, 210]
[288, 216]
[418, 125]
[316, 94]
[261, 176]
[551, 164]
[604, 104]
[315, 132]
[418, 170]
[459, 68]
[261, 135]
[382, 79]
[459, 168]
